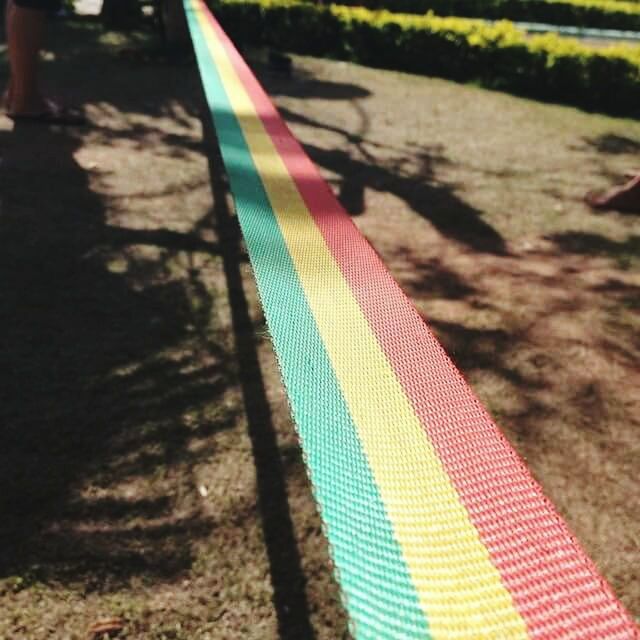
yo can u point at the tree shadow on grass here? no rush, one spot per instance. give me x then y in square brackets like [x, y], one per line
[106, 384]
[360, 169]
[580, 242]
[99, 376]
[612, 143]
[435, 202]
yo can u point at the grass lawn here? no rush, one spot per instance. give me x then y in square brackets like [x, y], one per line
[150, 473]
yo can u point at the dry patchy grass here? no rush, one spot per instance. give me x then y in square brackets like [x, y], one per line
[150, 472]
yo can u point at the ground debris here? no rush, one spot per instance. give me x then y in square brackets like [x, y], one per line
[109, 628]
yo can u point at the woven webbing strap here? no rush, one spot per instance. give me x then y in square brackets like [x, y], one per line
[436, 528]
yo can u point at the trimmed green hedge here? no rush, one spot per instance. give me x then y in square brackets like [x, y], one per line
[499, 55]
[596, 14]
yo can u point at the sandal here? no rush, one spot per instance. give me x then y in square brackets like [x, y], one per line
[53, 115]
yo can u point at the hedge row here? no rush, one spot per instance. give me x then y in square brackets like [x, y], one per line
[596, 14]
[497, 55]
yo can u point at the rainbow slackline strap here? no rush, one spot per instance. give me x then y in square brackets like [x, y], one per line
[436, 528]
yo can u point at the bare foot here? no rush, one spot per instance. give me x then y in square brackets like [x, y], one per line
[624, 198]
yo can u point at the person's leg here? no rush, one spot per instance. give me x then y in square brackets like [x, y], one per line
[6, 96]
[25, 34]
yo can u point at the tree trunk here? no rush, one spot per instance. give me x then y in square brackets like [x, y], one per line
[174, 23]
[120, 14]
